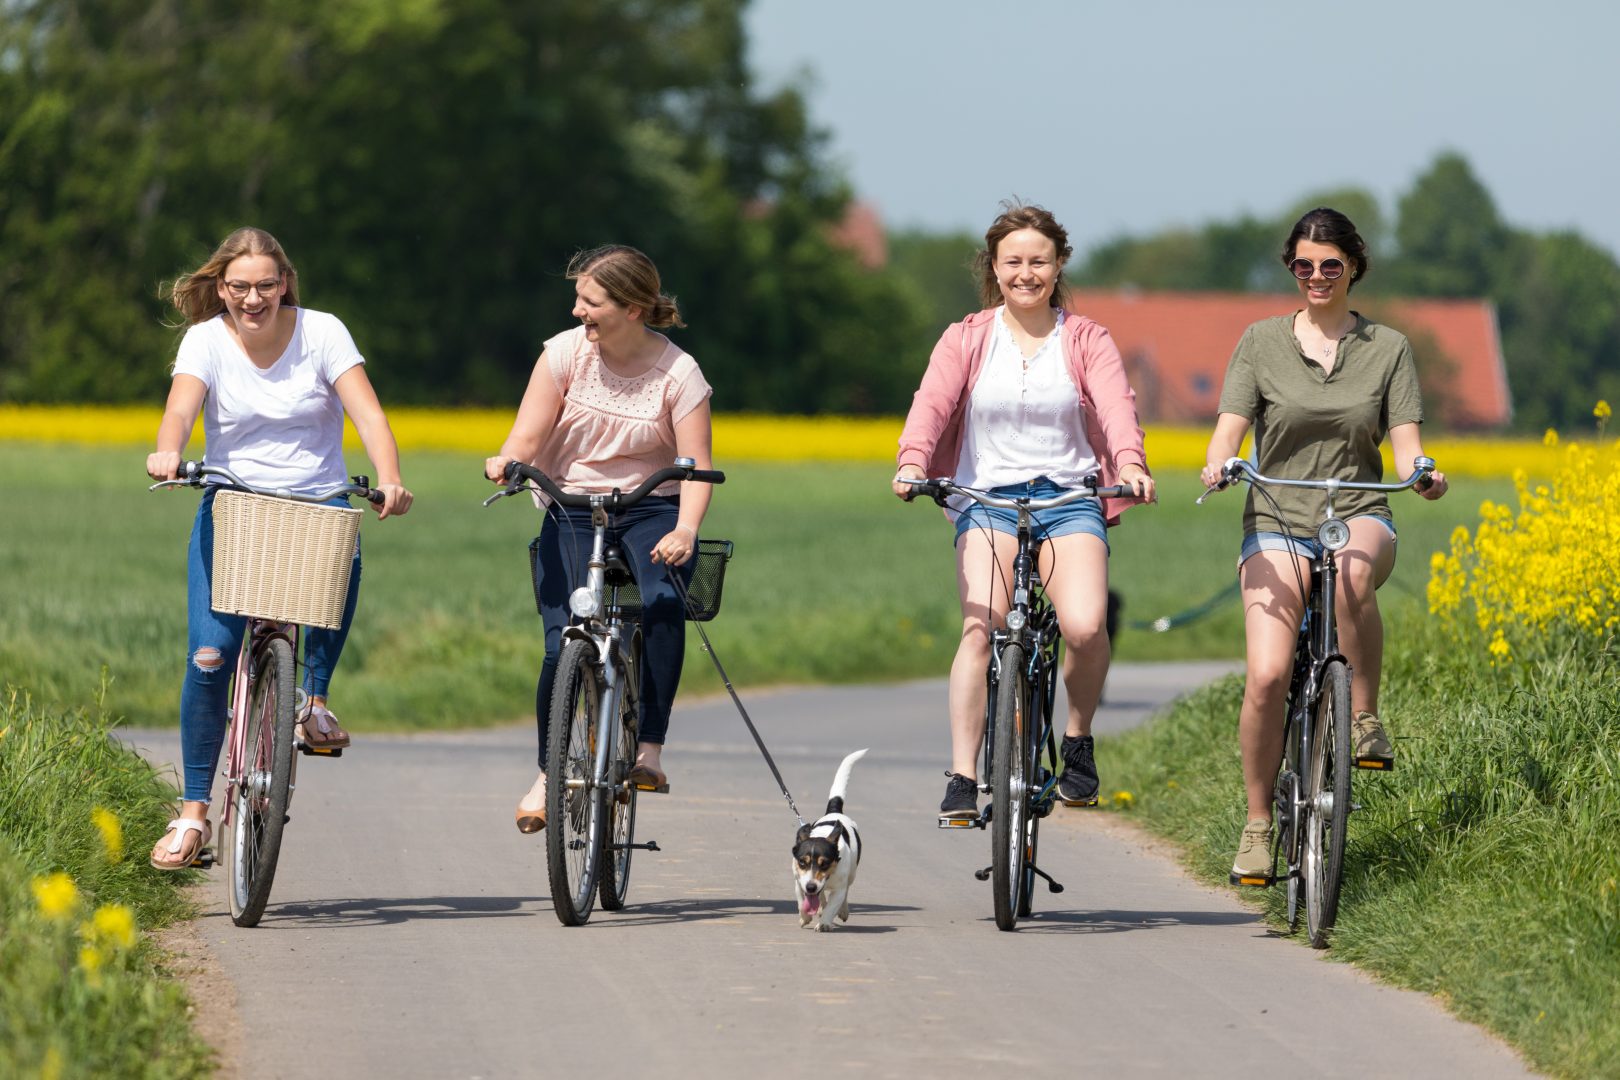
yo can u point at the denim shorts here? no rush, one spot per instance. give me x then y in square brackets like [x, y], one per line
[1306, 547]
[1080, 516]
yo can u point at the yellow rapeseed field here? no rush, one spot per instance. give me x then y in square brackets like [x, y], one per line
[1548, 570]
[738, 437]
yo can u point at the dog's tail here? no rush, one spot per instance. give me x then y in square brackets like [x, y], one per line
[835, 797]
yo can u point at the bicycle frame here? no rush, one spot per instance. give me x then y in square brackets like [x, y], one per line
[1032, 623]
[259, 633]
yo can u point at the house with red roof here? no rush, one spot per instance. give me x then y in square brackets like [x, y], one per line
[1176, 346]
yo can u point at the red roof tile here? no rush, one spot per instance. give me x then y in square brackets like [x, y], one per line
[1176, 346]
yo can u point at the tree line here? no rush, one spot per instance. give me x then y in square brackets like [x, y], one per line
[431, 168]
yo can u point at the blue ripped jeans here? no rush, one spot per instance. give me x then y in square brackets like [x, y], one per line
[205, 693]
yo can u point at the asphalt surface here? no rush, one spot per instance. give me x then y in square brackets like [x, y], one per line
[410, 932]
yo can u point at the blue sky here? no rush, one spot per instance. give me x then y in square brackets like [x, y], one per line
[1130, 117]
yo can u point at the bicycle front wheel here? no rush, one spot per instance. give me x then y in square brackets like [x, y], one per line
[621, 807]
[259, 795]
[1327, 803]
[573, 804]
[1009, 787]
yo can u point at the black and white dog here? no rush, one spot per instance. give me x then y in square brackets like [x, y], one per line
[825, 856]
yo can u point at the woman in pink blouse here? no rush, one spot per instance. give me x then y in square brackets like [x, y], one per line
[1024, 398]
[611, 402]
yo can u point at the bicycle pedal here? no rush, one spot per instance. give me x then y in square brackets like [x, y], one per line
[1375, 764]
[319, 751]
[652, 789]
[1253, 881]
[1078, 802]
[204, 859]
[961, 823]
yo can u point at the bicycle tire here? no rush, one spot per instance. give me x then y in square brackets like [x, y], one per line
[1327, 804]
[621, 831]
[1009, 787]
[259, 797]
[573, 805]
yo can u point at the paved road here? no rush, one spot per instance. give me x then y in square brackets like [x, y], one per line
[410, 933]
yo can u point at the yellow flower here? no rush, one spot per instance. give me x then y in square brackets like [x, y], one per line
[1602, 412]
[1123, 798]
[113, 924]
[112, 833]
[90, 961]
[1550, 439]
[56, 894]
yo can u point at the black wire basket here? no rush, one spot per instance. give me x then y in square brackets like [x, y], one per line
[702, 595]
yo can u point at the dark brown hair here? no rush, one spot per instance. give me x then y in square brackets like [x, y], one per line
[1014, 216]
[630, 279]
[196, 295]
[1327, 226]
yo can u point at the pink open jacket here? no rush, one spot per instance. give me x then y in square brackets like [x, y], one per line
[933, 433]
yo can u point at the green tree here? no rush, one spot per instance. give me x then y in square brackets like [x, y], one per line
[1449, 235]
[430, 166]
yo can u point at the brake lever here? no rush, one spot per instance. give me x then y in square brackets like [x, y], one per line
[511, 489]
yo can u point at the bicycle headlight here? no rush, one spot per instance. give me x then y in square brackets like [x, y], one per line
[1015, 620]
[1334, 534]
[583, 603]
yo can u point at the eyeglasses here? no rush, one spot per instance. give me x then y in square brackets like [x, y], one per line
[240, 289]
[1332, 269]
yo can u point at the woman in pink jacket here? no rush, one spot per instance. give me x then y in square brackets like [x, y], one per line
[1024, 398]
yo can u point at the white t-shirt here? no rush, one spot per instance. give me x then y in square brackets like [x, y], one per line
[1024, 419]
[281, 426]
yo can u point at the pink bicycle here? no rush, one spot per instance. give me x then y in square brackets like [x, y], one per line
[283, 560]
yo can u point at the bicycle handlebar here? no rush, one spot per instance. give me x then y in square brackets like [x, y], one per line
[191, 473]
[517, 471]
[1237, 468]
[940, 488]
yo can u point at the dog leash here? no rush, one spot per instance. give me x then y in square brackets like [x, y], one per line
[708, 647]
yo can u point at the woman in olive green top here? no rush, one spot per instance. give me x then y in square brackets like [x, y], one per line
[1321, 388]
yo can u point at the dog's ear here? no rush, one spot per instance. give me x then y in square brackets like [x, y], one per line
[804, 834]
[838, 833]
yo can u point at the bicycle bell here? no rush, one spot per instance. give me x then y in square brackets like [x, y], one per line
[685, 463]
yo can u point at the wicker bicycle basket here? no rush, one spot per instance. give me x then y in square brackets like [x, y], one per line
[703, 594]
[282, 560]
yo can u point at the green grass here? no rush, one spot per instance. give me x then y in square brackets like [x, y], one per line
[834, 581]
[1484, 869]
[58, 1017]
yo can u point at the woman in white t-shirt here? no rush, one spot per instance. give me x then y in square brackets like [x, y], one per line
[272, 382]
[1026, 399]
[611, 402]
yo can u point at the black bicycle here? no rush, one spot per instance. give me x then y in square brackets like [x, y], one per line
[1312, 794]
[595, 706]
[1020, 740]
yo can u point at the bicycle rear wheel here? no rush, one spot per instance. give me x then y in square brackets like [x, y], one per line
[621, 807]
[259, 796]
[1327, 803]
[574, 808]
[1009, 788]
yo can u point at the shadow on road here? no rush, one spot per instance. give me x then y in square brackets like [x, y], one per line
[679, 911]
[372, 911]
[1115, 922]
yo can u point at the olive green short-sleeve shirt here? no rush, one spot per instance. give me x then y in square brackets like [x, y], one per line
[1311, 424]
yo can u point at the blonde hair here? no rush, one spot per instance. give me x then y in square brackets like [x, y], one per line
[196, 295]
[630, 280]
[1015, 216]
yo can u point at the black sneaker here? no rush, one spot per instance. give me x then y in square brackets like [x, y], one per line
[1077, 785]
[961, 797]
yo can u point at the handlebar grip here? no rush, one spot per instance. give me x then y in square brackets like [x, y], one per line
[707, 476]
[376, 497]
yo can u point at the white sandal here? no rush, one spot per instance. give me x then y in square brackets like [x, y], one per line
[180, 826]
[325, 724]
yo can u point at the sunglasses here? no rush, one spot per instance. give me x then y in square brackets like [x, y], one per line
[1332, 269]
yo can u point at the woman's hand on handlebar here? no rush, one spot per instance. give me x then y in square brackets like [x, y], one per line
[163, 465]
[1140, 481]
[908, 472]
[495, 468]
[397, 500]
[676, 546]
[1436, 486]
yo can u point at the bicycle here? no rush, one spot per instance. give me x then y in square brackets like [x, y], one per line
[1313, 803]
[595, 703]
[282, 560]
[1021, 688]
